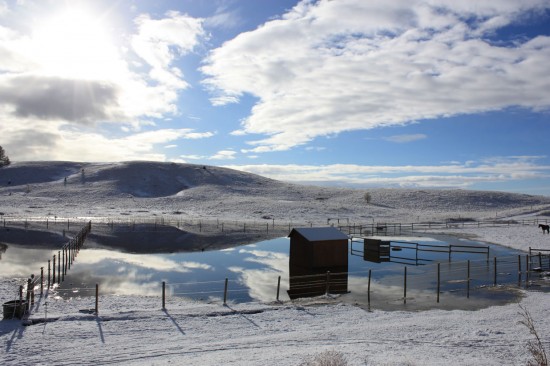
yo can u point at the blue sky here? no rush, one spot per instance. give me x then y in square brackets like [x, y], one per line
[405, 93]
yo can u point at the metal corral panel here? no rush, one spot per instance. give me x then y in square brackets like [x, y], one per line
[376, 250]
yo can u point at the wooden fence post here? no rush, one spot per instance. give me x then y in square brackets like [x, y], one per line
[58, 266]
[41, 281]
[468, 281]
[527, 269]
[495, 271]
[278, 287]
[63, 266]
[225, 292]
[519, 270]
[368, 288]
[438, 280]
[163, 295]
[32, 289]
[327, 284]
[28, 294]
[405, 286]
[96, 299]
[53, 269]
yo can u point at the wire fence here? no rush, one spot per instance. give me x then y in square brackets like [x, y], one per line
[267, 225]
[24, 303]
[396, 229]
[435, 279]
[430, 284]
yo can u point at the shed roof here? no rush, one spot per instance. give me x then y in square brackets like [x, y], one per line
[319, 233]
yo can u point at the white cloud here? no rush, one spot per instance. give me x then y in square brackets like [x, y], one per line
[220, 155]
[57, 140]
[68, 73]
[160, 41]
[223, 18]
[331, 66]
[224, 155]
[406, 138]
[500, 169]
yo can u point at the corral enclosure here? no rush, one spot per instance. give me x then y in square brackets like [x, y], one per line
[253, 271]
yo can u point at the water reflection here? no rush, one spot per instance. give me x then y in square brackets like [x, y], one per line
[253, 271]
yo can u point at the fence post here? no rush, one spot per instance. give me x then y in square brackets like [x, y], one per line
[53, 269]
[225, 292]
[278, 287]
[163, 295]
[438, 280]
[405, 286]
[32, 289]
[96, 299]
[468, 281]
[527, 269]
[63, 266]
[59, 266]
[368, 288]
[28, 294]
[327, 285]
[41, 281]
[519, 270]
[495, 270]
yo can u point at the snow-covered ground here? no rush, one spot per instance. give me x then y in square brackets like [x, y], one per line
[136, 331]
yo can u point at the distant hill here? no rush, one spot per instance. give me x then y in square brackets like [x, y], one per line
[140, 188]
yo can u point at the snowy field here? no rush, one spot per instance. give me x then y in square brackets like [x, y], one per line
[136, 331]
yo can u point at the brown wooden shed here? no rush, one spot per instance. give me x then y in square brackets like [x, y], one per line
[313, 253]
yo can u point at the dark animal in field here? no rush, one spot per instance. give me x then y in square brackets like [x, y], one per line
[545, 228]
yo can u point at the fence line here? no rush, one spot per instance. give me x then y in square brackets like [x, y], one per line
[266, 226]
[506, 270]
[467, 278]
[64, 262]
[389, 228]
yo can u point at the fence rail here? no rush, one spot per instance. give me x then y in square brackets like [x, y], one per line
[528, 267]
[389, 228]
[468, 277]
[268, 225]
[56, 274]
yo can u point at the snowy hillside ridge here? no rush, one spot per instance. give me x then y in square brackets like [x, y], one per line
[156, 188]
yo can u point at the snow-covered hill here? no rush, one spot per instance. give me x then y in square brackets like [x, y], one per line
[71, 189]
[254, 334]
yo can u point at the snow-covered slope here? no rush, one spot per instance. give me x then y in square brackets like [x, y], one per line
[135, 331]
[151, 188]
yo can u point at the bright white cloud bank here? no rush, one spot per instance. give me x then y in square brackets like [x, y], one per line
[334, 66]
[70, 73]
[453, 174]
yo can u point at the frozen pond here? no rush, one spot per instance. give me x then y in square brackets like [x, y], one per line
[253, 272]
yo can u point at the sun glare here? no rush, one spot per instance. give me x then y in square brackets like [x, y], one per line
[75, 44]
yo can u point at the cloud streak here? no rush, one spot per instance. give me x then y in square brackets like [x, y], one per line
[457, 175]
[335, 66]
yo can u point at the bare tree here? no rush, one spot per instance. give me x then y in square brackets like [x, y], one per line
[4, 160]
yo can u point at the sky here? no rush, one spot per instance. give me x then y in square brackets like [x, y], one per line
[355, 93]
